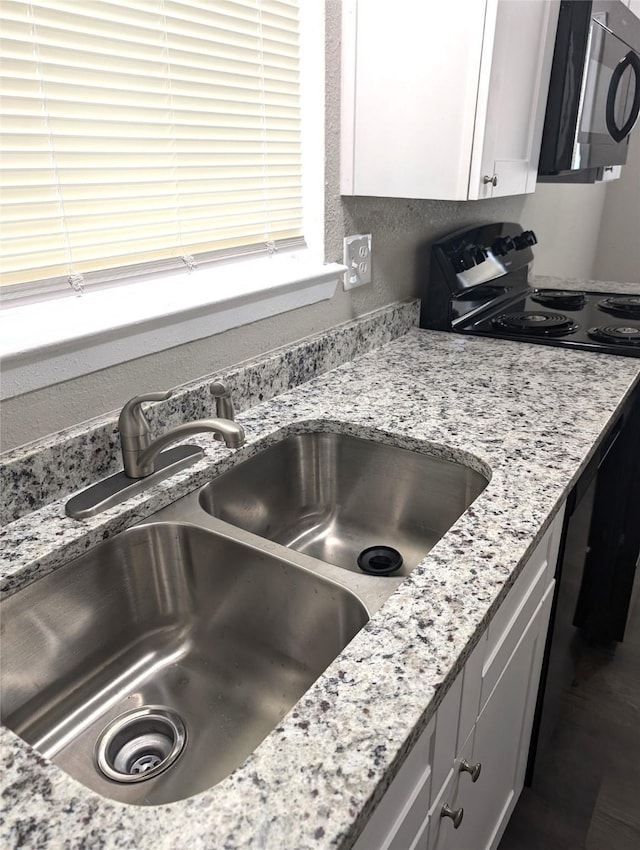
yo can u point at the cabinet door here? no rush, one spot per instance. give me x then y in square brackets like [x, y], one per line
[409, 88]
[512, 97]
[445, 831]
[438, 96]
[502, 737]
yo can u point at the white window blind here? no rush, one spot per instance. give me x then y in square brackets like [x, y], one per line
[144, 132]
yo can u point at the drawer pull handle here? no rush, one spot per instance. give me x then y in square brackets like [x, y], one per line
[493, 179]
[473, 769]
[456, 815]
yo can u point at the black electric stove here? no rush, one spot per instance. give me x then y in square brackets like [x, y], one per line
[478, 285]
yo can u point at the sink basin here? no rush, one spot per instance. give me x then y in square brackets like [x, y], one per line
[152, 666]
[332, 496]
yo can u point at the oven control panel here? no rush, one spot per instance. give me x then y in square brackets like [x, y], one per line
[472, 248]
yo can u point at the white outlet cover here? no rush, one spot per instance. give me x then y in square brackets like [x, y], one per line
[357, 259]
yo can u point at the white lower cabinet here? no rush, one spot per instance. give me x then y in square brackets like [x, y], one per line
[460, 782]
[501, 741]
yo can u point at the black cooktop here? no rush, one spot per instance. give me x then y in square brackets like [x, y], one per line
[478, 284]
[595, 321]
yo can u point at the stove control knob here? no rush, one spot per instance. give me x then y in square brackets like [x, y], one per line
[463, 260]
[480, 254]
[525, 240]
[502, 246]
[468, 259]
[456, 262]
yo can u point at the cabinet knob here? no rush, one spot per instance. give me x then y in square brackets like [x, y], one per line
[473, 769]
[493, 179]
[456, 815]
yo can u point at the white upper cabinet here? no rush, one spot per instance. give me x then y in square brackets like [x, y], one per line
[444, 100]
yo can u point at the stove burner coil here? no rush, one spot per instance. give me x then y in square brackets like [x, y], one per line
[535, 322]
[622, 305]
[616, 334]
[570, 299]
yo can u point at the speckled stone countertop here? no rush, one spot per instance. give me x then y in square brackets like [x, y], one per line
[531, 414]
[614, 287]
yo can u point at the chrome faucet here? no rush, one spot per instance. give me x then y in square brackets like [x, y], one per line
[139, 451]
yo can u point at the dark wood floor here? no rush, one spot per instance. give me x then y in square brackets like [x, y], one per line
[586, 794]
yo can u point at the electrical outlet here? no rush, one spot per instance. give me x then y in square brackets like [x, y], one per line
[357, 259]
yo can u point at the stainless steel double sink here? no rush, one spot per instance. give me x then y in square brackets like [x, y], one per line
[153, 665]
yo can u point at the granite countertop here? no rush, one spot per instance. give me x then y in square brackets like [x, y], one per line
[587, 284]
[532, 414]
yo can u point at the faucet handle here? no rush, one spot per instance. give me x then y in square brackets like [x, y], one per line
[132, 422]
[220, 390]
[224, 403]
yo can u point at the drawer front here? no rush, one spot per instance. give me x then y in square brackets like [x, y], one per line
[510, 620]
[471, 689]
[413, 822]
[440, 829]
[446, 739]
[399, 822]
[404, 807]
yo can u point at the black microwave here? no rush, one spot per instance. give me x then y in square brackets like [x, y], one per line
[594, 91]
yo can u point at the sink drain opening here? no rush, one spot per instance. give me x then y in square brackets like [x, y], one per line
[380, 560]
[140, 744]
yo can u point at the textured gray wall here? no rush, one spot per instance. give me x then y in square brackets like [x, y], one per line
[618, 248]
[399, 227]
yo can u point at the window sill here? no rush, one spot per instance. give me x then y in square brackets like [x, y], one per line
[49, 342]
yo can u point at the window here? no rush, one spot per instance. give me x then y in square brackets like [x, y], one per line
[160, 297]
[141, 132]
